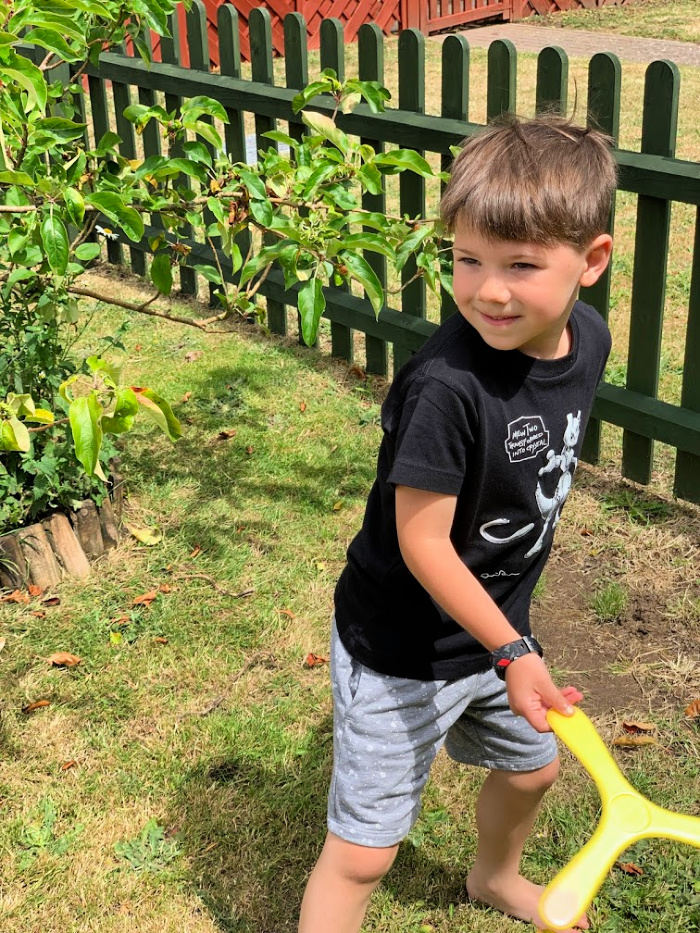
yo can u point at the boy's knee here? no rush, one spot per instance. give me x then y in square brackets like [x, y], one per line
[362, 865]
[533, 782]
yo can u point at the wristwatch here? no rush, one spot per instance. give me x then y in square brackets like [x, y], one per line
[502, 658]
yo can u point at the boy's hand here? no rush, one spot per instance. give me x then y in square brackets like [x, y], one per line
[531, 692]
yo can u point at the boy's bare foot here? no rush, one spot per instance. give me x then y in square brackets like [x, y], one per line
[518, 898]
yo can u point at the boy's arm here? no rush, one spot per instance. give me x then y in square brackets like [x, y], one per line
[423, 521]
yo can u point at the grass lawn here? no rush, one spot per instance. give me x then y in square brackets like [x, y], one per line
[648, 19]
[176, 779]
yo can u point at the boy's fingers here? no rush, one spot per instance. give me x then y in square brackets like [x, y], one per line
[572, 694]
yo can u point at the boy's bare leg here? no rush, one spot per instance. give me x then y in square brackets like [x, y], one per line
[341, 884]
[505, 813]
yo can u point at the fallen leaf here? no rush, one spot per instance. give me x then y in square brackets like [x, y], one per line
[226, 434]
[586, 533]
[146, 598]
[302, 406]
[3, 642]
[337, 506]
[116, 638]
[137, 346]
[121, 620]
[629, 868]
[160, 641]
[287, 612]
[51, 601]
[197, 551]
[64, 659]
[147, 536]
[313, 660]
[165, 588]
[38, 705]
[68, 764]
[193, 356]
[356, 370]
[34, 590]
[17, 596]
[186, 397]
[249, 450]
[632, 741]
[636, 727]
[39, 614]
[693, 710]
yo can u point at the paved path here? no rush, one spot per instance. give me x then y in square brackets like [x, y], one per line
[579, 42]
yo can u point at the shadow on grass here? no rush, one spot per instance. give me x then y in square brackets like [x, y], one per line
[252, 830]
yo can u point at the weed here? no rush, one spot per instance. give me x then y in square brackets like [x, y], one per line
[40, 836]
[150, 851]
[609, 602]
[639, 508]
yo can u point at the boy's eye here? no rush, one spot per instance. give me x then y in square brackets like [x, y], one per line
[524, 265]
[469, 261]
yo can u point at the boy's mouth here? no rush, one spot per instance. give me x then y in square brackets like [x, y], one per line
[500, 320]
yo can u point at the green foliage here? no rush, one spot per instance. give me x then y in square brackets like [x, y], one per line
[150, 851]
[39, 837]
[609, 601]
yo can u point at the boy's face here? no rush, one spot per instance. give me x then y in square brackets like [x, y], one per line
[519, 296]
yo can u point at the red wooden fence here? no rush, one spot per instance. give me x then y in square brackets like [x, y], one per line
[429, 16]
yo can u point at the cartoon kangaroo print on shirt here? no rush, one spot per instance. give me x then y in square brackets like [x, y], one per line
[550, 506]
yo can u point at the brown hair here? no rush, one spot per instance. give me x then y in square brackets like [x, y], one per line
[543, 181]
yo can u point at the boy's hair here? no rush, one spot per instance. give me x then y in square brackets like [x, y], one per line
[543, 181]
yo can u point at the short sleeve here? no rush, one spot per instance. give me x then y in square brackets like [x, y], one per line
[433, 441]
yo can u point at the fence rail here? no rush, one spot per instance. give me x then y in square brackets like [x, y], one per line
[654, 174]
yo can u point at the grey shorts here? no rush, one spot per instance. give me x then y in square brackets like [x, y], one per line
[388, 730]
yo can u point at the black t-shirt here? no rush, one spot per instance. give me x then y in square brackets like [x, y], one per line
[502, 432]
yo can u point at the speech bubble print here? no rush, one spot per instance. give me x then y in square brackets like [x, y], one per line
[527, 436]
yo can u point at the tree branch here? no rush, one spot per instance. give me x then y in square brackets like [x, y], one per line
[143, 309]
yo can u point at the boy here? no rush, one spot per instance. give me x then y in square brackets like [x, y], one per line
[482, 431]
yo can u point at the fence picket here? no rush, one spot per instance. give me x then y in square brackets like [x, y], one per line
[333, 56]
[604, 87]
[455, 105]
[121, 97]
[687, 479]
[170, 54]
[501, 91]
[659, 126]
[411, 185]
[260, 26]
[99, 109]
[552, 80]
[370, 51]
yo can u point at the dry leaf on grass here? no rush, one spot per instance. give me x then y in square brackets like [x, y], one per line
[356, 370]
[64, 659]
[632, 741]
[16, 596]
[39, 704]
[692, 711]
[160, 641]
[302, 407]
[226, 434]
[636, 727]
[145, 599]
[186, 397]
[193, 355]
[313, 660]
[51, 601]
[147, 536]
[629, 868]
[196, 552]
[68, 764]
[34, 590]
[3, 642]
[287, 612]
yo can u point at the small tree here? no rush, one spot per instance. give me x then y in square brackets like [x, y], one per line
[59, 195]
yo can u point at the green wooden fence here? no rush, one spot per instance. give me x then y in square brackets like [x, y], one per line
[653, 174]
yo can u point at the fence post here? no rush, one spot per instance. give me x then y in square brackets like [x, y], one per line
[411, 186]
[454, 106]
[552, 80]
[260, 31]
[501, 92]
[604, 87]
[370, 51]
[687, 479]
[659, 125]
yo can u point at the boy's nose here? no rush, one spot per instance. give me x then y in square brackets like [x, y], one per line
[493, 290]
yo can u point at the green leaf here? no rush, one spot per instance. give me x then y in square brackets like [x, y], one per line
[54, 42]
[411, 244]
[108, 142]
[325, 127]
[84, 416]
[162, 273]
[54, 236]
[17, 178]
[405, 159]
[210, 273]
[283, 138]
[87, 251]
[27, 75]
[254, 185]
[262, 212]
[196, 106]
[361, 270]
[75, 204]
[197, 151]
[206, 132]
[113, 207]
[161, 412]
[125, 412]
[147, 536]
[312, 304]
[372, 241]
[193, 169]
[14, 435]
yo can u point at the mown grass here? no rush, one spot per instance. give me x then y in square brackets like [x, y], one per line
[649, 19]
[221, 735]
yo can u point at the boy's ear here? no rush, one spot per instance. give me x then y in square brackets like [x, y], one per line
[597, 257]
